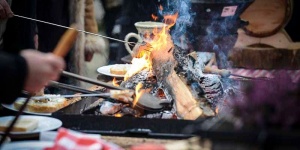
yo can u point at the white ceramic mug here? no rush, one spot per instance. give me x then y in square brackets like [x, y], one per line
[145, 33]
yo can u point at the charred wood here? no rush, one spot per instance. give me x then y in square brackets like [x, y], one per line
[192, 67]
[163, 65]
[145, 77]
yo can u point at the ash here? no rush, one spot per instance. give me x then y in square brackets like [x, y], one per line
[145, 77]
[208, 85]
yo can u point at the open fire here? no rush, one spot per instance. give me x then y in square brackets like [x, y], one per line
[166, 71]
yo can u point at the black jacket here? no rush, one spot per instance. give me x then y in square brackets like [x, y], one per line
[13, 72]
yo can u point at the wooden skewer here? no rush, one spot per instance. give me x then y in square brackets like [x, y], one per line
[66, 42]
[64, 45]
[227, 73]
[221, 72]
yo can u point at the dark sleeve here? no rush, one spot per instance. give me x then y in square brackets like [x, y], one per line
[13, 72]
[19, 32]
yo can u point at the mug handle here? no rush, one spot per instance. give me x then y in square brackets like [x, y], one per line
[127, 37]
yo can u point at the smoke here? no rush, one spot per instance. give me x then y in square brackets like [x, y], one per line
[184, 20]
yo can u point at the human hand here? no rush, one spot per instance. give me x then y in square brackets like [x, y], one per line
[5, 11]
[42, 67]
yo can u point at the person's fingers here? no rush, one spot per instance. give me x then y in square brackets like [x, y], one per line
[5, 11]
[8, 12]
[42, 68]
[9, 15]
[56, 62]
[34, 89]
[37, 89]
[54, 76]
[52, 70]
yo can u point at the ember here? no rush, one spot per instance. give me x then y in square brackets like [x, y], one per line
[114, 82]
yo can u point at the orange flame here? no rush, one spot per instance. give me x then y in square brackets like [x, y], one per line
[118, 115]
[161, 41]
[114, 82]
[162, 37]
[138, 64]
[138, 94]
[170, 20]
[154, 17]
[217, 110]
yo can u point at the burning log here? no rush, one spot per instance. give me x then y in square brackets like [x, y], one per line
[179, 78]
[163, 64]
[144, 77]
[193, 66]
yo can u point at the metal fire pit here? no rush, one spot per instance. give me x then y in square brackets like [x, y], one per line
[72, 118]
[220, 132]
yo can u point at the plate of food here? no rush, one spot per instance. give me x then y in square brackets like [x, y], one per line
[29, 126]
[39, 107]
[116, 70]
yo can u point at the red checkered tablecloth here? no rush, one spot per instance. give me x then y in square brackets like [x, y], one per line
[71, 140]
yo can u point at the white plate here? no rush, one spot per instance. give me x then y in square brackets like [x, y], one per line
[27, 145]
[44, 124]
[12, 107]
[106, 70]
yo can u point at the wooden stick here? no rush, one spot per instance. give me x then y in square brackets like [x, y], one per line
[66, 42]
[221, 72]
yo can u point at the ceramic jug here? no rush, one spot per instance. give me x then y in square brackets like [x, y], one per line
[144, 36]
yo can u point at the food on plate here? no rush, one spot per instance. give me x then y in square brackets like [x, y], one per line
[119, 69]
[22, 125]
[46, 105]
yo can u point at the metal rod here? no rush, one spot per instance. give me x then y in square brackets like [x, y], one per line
[11, 125]
[252, 78]
[88, 80]
[70, 87]
[41, 21]
[70, 96]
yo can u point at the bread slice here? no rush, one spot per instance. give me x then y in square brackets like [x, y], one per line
[22, 125]
[118, 69]
[45, 106]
